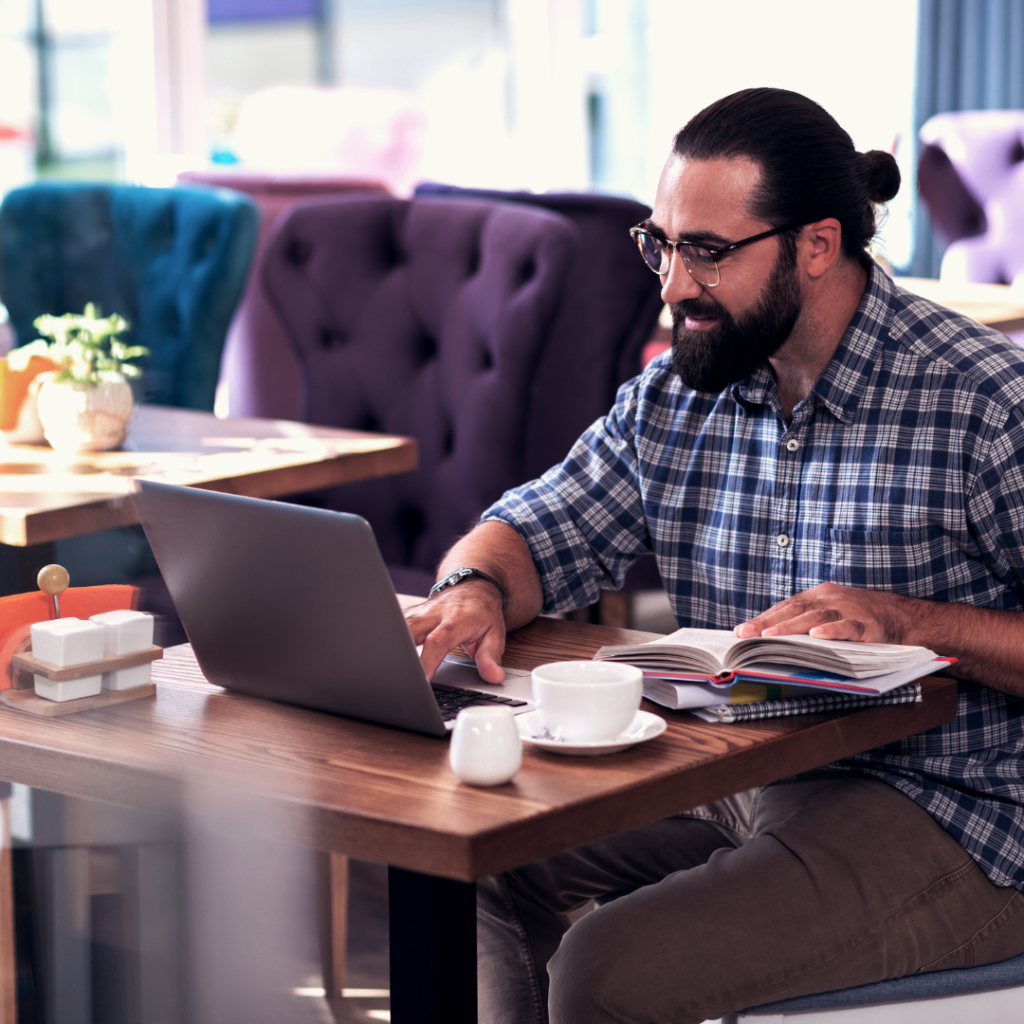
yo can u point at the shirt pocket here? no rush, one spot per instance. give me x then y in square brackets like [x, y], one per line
[925, 562]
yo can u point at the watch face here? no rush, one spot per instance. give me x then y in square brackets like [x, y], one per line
[450, 580]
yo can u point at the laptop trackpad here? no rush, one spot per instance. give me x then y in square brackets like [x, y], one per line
[462, 672]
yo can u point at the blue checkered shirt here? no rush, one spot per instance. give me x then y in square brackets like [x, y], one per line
[902, 471]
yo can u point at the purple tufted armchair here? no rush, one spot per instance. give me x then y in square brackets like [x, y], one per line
[429, 318]
[258, 365]
[971, 176]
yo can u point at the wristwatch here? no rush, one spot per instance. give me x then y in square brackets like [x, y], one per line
[460, 576]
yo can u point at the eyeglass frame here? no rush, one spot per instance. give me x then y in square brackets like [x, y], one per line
[716, 252]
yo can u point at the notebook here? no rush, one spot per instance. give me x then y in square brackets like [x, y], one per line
[294, 604]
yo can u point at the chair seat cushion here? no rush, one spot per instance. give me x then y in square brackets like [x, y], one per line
[915, 987]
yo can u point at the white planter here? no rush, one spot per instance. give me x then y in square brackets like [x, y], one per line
[85, 417]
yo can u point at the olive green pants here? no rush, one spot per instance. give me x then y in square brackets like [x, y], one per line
[817, 883]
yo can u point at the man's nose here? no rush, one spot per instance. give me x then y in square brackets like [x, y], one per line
[677, 284]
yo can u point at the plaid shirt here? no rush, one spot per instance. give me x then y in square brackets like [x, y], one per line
[902, 471]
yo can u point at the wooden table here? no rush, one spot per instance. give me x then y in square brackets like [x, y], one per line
[389, 796]
[47, 496]
[996, 305]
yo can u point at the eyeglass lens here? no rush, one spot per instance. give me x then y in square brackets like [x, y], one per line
[657, 254]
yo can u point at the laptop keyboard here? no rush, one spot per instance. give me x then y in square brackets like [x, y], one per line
[452, 699]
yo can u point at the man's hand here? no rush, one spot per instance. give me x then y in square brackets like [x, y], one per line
[469, 614]
[831, 612]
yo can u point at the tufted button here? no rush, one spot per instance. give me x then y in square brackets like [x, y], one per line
[332, 338]
[526, 272]
[428, 348]
[486, 359]
[299, 251]
[792, 444]
[782, 540]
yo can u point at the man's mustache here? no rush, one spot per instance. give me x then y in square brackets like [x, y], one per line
[695, 308]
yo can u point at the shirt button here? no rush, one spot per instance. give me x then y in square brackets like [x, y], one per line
[792, 444]
[782, 540]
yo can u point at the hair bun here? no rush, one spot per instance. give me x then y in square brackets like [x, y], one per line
[882, 174]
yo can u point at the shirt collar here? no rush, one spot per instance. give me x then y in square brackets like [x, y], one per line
[846, 376]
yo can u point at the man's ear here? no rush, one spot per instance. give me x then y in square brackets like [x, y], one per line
[822, 246]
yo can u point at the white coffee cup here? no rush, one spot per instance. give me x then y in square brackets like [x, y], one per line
[585, 701]
[486, 749]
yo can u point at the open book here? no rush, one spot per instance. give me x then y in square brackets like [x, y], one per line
[719, 654]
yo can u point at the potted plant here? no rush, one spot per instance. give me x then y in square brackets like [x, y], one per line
[85, 404]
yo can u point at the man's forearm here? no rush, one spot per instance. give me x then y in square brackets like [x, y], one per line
[988, 644]
[500, 552]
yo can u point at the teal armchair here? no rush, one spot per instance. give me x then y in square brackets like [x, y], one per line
[173, 261]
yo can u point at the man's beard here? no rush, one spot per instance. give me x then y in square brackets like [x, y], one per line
[714, 358]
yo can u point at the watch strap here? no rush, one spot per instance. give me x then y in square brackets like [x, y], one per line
[462, 574]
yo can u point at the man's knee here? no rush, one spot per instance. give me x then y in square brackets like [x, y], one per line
[604, 972]
[635, 959]
[586, 973]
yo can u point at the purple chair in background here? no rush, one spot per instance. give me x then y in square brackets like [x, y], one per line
[427, 319]
[971, 177]
[610, 311]
[443, 319]
[258, 366]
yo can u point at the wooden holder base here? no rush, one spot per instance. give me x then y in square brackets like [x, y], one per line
[26, 700]
[24, 667]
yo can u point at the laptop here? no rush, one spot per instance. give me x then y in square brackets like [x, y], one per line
[294, 604]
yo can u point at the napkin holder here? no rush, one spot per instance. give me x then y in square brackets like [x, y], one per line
[24, 667]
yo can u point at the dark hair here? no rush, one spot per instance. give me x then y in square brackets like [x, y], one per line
[809, 167]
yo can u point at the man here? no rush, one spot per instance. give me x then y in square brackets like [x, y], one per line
[823, 454]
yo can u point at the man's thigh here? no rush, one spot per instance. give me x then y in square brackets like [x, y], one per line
[844, 881]
[639, 857]
[523, 914]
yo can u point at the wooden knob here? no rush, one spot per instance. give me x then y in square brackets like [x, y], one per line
[53, 579]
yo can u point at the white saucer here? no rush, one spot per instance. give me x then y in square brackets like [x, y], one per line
[644, 726]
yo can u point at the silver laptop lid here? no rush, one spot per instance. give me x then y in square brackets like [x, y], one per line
[288, 603]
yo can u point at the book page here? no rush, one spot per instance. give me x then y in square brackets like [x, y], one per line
[714, 651]
[705, 650]
[707, 639]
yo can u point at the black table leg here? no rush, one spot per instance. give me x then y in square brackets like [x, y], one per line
[433, 949]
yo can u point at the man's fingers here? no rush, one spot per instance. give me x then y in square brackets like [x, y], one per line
[487, 654]
[831, 612]
[845, 629]
[803, 623]
[442, 625]
[752, 628]
[775, 615]
[435, 650]
[421, 620]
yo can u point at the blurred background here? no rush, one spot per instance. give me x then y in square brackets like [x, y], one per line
[507, 94]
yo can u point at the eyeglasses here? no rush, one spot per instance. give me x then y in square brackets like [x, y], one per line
[701, 261]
